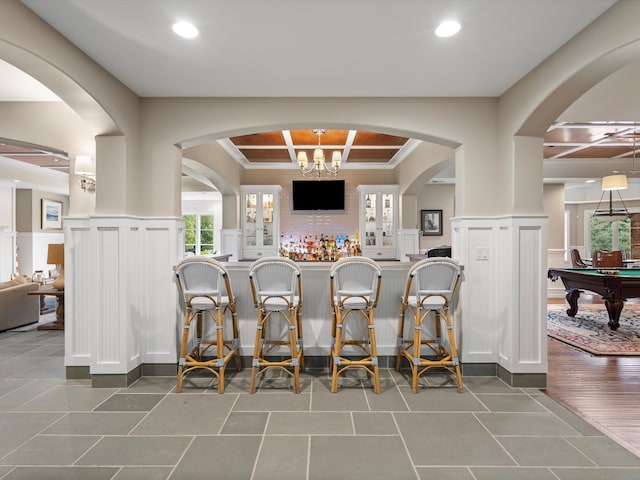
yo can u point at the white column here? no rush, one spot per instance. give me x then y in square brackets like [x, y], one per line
[120, 295]
[502, 305]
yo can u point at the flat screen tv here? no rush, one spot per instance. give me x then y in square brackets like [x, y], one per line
[318, 194]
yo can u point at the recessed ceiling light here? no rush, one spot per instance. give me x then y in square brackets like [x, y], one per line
[185, 29]
[590, 181]
[448, 28]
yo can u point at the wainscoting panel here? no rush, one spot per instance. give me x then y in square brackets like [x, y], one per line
[7, 253]
[111, 314]
[531, 333]
[81, 294]
[522, 294]
[159, 315]
[473, 243]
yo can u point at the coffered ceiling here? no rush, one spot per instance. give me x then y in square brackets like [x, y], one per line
[566, 140]
[35, 155]
[283, 146]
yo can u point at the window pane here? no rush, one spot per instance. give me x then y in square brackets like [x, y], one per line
[624, 236]
[190, 233]
[601, 235]
[206, 234]
[611, 236]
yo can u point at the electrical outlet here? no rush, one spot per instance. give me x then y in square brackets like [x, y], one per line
[482, 253]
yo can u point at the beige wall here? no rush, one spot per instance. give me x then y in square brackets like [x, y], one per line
[437, 197]
[553, 200]
[449, 121]
[29, 209]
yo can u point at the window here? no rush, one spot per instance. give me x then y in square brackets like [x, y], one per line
[610, 235]
[198, 234]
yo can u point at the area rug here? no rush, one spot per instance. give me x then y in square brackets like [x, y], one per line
[589, 331]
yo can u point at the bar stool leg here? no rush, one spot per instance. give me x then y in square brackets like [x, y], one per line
[183, 348]
[300, 338]
[236, 337]
[400, 339]
[333, 336]
[337, 347]
[293, 345]
[373, 351]
[417, 350]
[220, 348]
[257, 351]
[188, 317]
[454, 351]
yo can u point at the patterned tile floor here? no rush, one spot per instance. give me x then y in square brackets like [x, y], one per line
[53, 428]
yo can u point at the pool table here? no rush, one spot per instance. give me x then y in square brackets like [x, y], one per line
[613, 285]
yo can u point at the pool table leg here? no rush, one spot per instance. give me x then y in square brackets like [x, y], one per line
[614, 307]
[572, 296]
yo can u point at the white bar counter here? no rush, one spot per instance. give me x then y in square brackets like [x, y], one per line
[316, 308]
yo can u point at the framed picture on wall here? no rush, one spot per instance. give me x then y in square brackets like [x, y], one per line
[51, 214]
[431, 222]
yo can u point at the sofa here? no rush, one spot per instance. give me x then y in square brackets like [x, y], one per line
[17, 308]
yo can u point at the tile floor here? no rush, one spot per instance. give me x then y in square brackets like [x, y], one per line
[53, 428]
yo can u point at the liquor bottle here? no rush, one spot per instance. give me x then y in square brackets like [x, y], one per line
[368, 202]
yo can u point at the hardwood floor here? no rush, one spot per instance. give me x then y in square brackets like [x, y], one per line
[603, 390]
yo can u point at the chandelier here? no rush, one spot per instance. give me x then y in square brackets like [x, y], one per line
[319, 164]
[610, 184]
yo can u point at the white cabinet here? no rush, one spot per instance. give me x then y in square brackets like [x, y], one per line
[260, 220]
[378, 221]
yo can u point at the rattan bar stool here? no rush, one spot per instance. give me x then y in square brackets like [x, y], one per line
[276, 284]
[206, 292]
[431, 285]
[354, 289]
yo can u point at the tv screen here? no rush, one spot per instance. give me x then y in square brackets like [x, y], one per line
[318, 194]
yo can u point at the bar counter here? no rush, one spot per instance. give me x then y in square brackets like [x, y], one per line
[316, 312]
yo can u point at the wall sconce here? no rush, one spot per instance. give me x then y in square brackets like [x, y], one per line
[84, 168]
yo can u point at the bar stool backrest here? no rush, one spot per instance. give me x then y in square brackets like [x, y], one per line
[202, 280]
[275, 277]
[356, 277]
[436, 276]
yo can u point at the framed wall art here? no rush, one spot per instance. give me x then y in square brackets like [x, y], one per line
[431, 222]
[51, 214]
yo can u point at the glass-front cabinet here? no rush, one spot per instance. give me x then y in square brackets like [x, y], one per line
[260, 220]
[379, 220]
